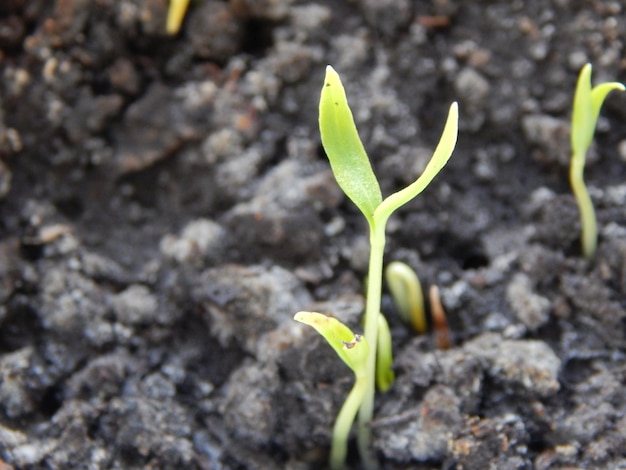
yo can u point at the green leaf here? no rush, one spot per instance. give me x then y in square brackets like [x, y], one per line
[582, 128]
[352, 349]
[440, 157]
[345, 151]
[598, 95]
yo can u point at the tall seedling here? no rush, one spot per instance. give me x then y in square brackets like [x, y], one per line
[353, 172]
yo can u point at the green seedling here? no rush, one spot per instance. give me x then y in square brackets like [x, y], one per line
[345, 344]
[587, 104]
[353, 350]
[353, 172]
[407, 294]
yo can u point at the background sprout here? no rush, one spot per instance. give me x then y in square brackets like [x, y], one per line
[354, 174]
[353, 350]
[384, 357]
[407, 294]
[586, 109]
[175, 15]
[440, 320]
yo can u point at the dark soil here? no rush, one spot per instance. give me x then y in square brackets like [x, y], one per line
[166, 207]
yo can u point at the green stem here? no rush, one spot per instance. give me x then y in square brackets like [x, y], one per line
[589, 237]
[345, 418]
[372, 310]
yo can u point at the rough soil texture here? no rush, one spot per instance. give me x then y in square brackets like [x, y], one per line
[166, 208]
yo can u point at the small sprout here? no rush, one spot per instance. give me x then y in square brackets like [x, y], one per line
[353, 350]
[440, 322]
[175, 16]
[586, 109]
[406, 291]
[353, 172]
[384, 356]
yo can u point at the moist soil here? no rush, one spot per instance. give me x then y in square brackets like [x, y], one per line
[166, 207]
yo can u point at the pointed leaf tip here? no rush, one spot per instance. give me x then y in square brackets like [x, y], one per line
[440, 157]
[346, 154]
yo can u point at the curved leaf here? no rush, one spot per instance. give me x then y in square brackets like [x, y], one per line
[352, 349]
[440, 157]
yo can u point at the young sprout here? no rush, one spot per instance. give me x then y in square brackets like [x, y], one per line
[354, 174]
[407, 294]
[440, 321]
[353, 350]
[587, 104]
[175, 15]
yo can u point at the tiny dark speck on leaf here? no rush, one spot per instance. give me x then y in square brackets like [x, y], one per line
[336, 104]
[328, 84]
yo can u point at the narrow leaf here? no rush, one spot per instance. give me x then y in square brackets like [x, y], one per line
[345, 151]
[384, 356]
[582, 128]
[598, 95]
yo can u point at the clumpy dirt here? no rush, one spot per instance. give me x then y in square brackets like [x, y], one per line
[166, 207]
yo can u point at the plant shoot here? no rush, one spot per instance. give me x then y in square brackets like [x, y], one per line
[407, 294]
[353, 351]
[175, 16]
[353, 172]
[586, 109]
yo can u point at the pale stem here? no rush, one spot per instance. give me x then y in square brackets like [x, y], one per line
[589, 236]
[372, 310]
[345, 418]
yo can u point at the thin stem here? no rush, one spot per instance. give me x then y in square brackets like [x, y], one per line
[344, 421]
[372, 310]
[589, 236]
